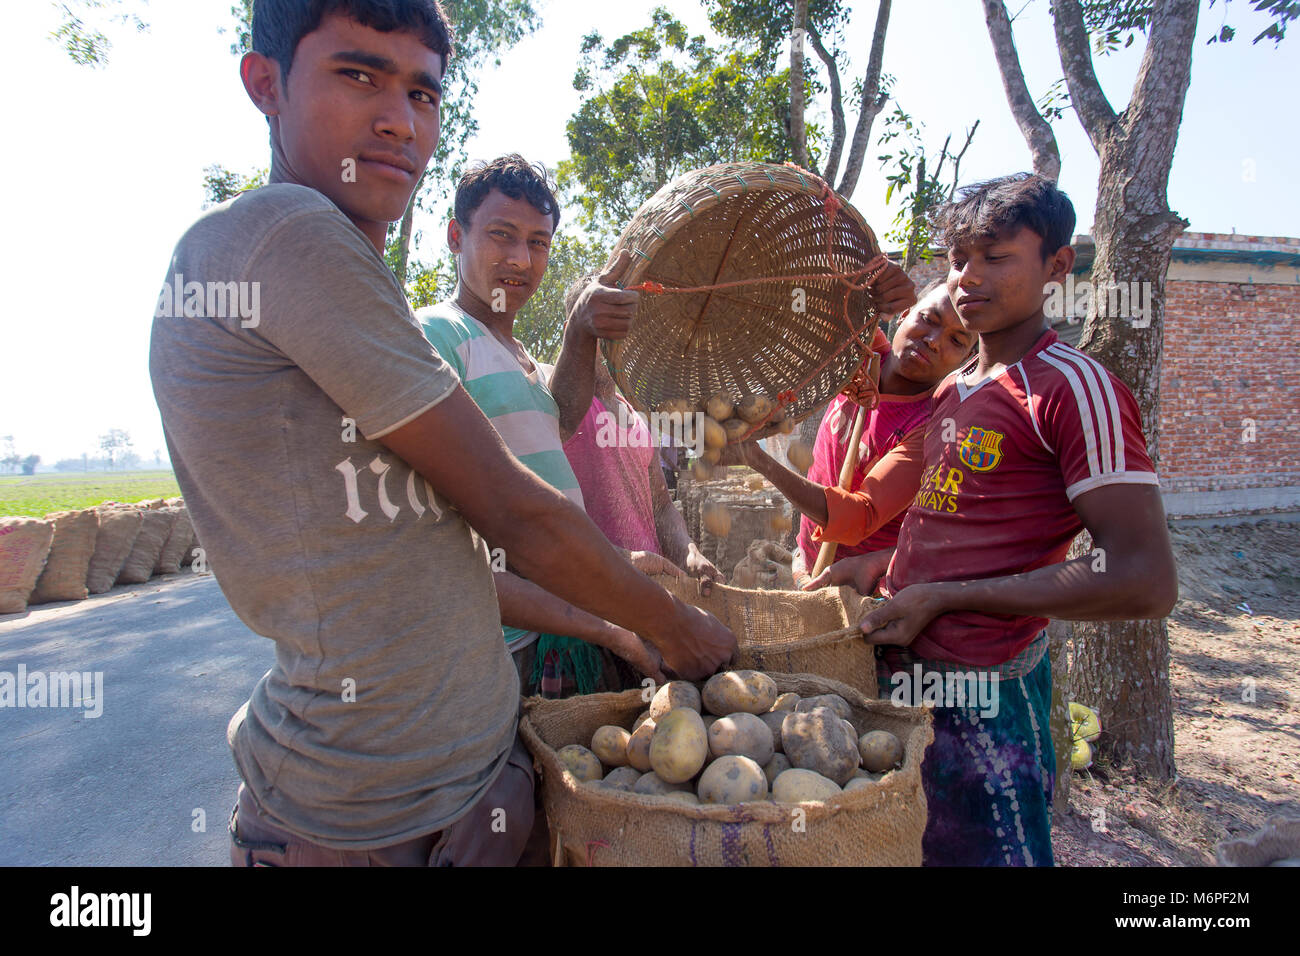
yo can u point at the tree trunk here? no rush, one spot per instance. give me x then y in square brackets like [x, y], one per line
[798, 135]
[873, 101]
[838, 130]
[404, 234]
[1124, 665]
[1059, 634]
[1036, 130]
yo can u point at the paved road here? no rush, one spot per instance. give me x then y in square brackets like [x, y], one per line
[121, 789]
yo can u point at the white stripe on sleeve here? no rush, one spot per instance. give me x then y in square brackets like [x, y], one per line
[1085, 411]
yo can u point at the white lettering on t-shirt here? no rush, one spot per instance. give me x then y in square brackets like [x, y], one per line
[380, 468]
[349, 473]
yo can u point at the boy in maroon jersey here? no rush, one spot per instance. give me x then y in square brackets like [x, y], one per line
[1028, 445]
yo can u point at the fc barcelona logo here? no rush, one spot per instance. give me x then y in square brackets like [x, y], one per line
[981, 449]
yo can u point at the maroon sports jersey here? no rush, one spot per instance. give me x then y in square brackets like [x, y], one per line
[996, 496]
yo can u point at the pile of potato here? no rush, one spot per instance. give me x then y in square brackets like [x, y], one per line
[735, 740]
[727, 418]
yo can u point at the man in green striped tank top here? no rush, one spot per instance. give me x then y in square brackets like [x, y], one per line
[505, 216]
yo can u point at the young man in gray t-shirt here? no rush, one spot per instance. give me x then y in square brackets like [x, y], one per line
[340, 478]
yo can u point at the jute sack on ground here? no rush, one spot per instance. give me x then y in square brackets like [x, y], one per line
[148, 545]
[178, 542]
[64, 577]
[794, 632]
[879, 825]
[118, 527]
[24, 545]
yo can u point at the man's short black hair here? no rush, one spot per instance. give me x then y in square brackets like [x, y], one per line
[512, 175]
[279, 25]
[1001, 206]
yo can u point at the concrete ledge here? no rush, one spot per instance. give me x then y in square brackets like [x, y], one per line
[1235, 501]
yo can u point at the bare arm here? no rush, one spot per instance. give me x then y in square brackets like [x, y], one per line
[808, 496]
[461, 455]
[1130, 575]
[674, 539]
[602, 311]
[525, 605]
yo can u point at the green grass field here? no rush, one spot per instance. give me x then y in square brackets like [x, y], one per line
[37, 495]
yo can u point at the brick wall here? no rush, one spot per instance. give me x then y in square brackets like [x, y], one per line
[1230, 358]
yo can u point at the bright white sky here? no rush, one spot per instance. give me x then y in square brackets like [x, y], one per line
[103, 168]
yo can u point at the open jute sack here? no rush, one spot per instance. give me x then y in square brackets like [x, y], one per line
[794, 632]
[118, 527]
[178, 542]
[24, 545]
[155, 528]
[880, 825]
[64, 577]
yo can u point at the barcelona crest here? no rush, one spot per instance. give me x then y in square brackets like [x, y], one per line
[981, 449]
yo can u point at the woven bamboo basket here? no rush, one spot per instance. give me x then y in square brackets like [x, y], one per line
[795, 632]
[737, 223]
[880, 825]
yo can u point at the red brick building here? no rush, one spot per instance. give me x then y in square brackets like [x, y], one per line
[1230, 382]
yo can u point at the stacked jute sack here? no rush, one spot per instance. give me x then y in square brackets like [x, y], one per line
[876, 825]
[69, 555]
[794, 632]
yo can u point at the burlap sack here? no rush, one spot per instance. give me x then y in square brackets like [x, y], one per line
[24, 545]
[178, 542]
[1276, 844]
[148, 545]
[880, 825]
[64, 577]
[794, 632]
[118, 527]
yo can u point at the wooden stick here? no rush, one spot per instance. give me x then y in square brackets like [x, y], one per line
[827, 553]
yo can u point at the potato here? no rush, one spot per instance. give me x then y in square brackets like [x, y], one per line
[680, 796]
[676, 406]
[733, 691]
[709, 721]
[817, 740]
[786, 426]
[754, 408]
[848, 725]
[754, 482]
[720, 406]
[743, 735]
[641, 718]
[859, 783]
[609, 743]
[803, 786]
[715, 436]
[773, 720]
[834, 701]
[679, 745]
[622, 778]
[580, 762]
[672, 695]
[778, 524]
[800, 456]
[651, 784]
[775, 767]
[732, 779]
[735, 428]
[786, 701]
[716, 518]
[638, 746]
[880, 751]
[710, 458]
[702, 470]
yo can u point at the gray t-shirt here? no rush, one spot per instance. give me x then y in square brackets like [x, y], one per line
[322, 539]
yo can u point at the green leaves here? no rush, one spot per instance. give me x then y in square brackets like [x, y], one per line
[662, 103]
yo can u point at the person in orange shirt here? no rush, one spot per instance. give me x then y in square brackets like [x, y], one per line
[930, 343]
